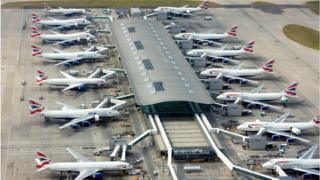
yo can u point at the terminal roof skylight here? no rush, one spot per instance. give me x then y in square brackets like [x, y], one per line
[158, 86]
[138, 45]
[147, 64]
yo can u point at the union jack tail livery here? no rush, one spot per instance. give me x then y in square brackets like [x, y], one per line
[35, 107]
[316, 121]
[35, 32]
[249, 47]
[36, 50]
[291, 89]
[42, 160]
[46, 7]
[233, 31]
[41, 77]
[268, 67]
[35, 18]
[204, 4]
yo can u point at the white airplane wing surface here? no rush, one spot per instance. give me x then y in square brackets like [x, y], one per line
[149, 15]
[261, 104]
[66, 106]
[69, 61]
[207, 41]
[309, 153]
[67, 41]
[282, 118]
[280, 171]
[75, 121]
[77, 156]
[257, 89]
[85, 173]
[224, 59]
[66, 75]
[57, 50]
[311, 171]
[242, 79]
[63, 26]
[261, 131]
[286, 135]
[54, 32]
[71, 86]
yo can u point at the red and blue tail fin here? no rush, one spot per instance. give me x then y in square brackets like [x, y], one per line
[35, 18]
[249, 47]
[35, 107]
[291, 89]
[36, 50]
[41, 77]
[316, 121]
[42, 160]
[233, 31]
[35, 32]
[268, 67]
[204, 5]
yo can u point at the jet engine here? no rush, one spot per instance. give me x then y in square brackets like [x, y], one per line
[97, 176]
[243, 82]
[284, 100]
[85, 123]
[264, 108]
[75, 126]
[96, 118]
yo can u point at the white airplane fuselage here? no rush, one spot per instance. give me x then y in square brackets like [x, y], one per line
[216, 52]
[61, 37]
[291, 163]
[73, 55]
[78, 166]
[177, 9]
[201, 36]
[233, 72]
[65, 11]
[285, 126]
[65, 22]
[67, 82]
[231, 96]
[100, 112]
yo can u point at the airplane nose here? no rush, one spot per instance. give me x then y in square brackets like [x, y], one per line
[241, 127]
[220, 97]
[267, 165]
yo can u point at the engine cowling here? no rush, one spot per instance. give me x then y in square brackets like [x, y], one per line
[230, 80]
[96, 118]
[290, 140]
[75, 126]
[82, 88]
[76, 24]
[275, 137]
[97, 176]
[85, 123]
[243, 82]
[88, 38]
[295, 130]
[250, 106]
[264, 108]
[284, 100]
[67, 65]
[225, 61]
[75, 62]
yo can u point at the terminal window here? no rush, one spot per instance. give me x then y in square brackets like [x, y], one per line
[147, 64]
[131, 29]
[138, 45]
[158, 86]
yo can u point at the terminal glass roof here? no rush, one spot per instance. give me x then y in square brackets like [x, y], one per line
[156, 69]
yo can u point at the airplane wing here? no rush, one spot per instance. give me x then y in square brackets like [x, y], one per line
[66, 106]
[85, 173]
[75, 121]
[71, 87]
[90, 49]
[77, 156]
[208, 41]
[69, 61]
[117, 103]
[54, 32]
[280, 171]
[311, 171]
[242, 79]
[282, 118]
[149, 15]
[257, 89]
[108, 73]
[66, 41]
[262, 104]
[309, 153]
[261, 131]
[184, 6]
[66, 75]
[62, 26]
[57, 50]
[224, 59]
[287, 135]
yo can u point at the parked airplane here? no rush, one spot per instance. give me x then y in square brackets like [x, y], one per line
[64, 39]
[303, 164]
[222, 53]
[72, 82]
[208, 38]
[60, 23]
[179, 11]
[279, 127]
[238, 74]
[79, 116]
[63, 11]
[254, 97]
[84, 166]
[67, 58]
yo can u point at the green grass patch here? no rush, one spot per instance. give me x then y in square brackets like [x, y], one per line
[302, 35]
[313, 6]
[104, 3]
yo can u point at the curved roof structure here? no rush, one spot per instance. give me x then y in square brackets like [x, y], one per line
[156, 69]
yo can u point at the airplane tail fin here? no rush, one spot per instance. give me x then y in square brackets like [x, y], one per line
[204, 5]
[35, 18]
[35, 107]
[41, 77]
[233, 31]
[36, 50]
[42, 161]
[291, 89]
[268, 66]
[249, 47]
[316, 121]
[46, 7]
[35, 32]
